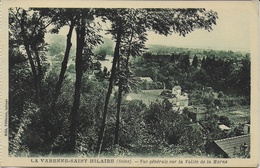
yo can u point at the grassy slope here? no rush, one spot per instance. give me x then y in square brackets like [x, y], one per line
[238, 115]
[147, 96]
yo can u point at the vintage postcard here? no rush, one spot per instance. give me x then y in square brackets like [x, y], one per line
[129, 83]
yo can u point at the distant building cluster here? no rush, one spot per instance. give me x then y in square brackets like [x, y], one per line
[179, 99]
[237, 146]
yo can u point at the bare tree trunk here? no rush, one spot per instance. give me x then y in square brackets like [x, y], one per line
[120, 92]
[119, 100]
[58, 86]
[34, 72]
[109, 91]
[63, 68]
[79, 72]
[29, 54]
[38, 61]
[39, 67]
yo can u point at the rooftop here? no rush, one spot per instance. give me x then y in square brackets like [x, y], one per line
[176, 87]
[148, 79]
[228, 145]
[224, 127]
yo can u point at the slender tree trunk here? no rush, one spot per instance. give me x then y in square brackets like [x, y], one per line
[34, 72]
[120, 92]
[129, 51]
[96, 111]
[109, 92]
[38, 61]
[29, 54]
[39, 67]
[63, 68]
[119, 100]
[118, 107]
[79, 72]
[58, 86]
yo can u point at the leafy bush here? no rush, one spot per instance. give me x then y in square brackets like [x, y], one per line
[17, 145]
[118, 151]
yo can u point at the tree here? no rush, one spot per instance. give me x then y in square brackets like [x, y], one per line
[195, 61]
[132, 44]
[225, 120]
[165, 124]
[203, 63]
[185, 63]
[190, 143]
[104, 49]
[117, 28]
[63, 17]
[243, 81]
[120, 24]
[86, 38]
[29, 26]
[20, 95]
[162, 21]
[80, 35]
[211, 125]
[132, 125]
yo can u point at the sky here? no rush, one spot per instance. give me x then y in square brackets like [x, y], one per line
[232, 32]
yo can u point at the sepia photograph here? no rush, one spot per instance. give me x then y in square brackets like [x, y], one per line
[99, 83]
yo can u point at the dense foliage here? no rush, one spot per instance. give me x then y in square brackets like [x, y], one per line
[62, 101]
[197, 71]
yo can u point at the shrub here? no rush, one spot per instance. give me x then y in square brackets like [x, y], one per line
[17, 146]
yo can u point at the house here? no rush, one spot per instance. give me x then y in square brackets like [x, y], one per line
[247, 129]
[178, 98]
[238, 146]
[183, 101]
[147, 79]
[224, 128]
[176, 90]
[173, 100]
[197, 113]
